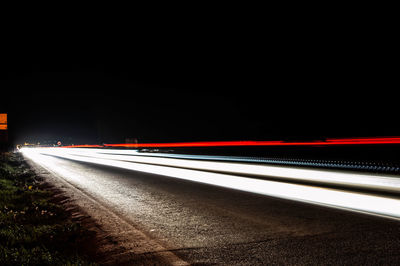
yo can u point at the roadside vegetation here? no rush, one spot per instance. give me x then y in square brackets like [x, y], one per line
[33, 229]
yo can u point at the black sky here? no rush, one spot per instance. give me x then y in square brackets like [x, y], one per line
[219, 83]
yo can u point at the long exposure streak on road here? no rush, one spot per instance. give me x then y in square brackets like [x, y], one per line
[248, 143]
[277, 181]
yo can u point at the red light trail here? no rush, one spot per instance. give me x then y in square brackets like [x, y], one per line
[83, 146]
[249, 143]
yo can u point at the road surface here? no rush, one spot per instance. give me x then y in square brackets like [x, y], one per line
[205, 225]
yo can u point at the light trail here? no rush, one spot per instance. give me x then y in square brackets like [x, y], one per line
[251, 143]
[386, 183]
[83, 146]
[229, 175]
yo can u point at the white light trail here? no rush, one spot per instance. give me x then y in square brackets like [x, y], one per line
[194, 171]
[385, 183]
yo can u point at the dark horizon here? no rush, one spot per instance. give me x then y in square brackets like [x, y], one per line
[211, 95]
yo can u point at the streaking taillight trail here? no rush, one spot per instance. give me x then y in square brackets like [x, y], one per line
[251, 143]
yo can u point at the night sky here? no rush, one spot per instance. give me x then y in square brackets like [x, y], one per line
[222, 85]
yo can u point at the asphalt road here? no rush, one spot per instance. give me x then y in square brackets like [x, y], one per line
[204, 224]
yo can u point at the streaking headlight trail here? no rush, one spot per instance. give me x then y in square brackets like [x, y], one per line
[260, 179]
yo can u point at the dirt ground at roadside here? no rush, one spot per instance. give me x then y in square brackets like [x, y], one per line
[111, 240]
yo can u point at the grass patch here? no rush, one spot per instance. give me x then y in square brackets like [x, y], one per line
[33, 230]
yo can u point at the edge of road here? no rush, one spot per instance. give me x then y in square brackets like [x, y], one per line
[133, 244]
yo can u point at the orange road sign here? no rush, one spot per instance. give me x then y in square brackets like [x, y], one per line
[3, 121]
[3, 118]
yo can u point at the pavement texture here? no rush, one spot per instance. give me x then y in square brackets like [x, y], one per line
[171, 221]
